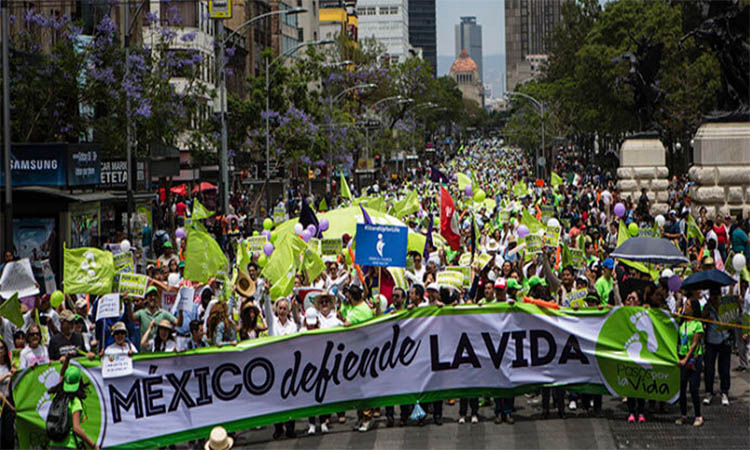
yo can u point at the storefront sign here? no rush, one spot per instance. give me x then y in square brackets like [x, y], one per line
[54, 165]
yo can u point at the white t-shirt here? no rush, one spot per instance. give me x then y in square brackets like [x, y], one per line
[116, 349]
[169, 346]
[282, 330]
[329, 321]
[30, 356]
[28, 318]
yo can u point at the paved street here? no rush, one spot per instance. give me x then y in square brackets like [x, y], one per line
[724, 428]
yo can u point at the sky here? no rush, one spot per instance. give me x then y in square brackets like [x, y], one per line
[490, 15]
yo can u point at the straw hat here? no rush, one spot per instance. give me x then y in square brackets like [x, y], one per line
[245, 286]
[218, 440]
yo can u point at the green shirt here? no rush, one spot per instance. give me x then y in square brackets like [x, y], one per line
[688, 329]
[70, 441]
[145, 318]
[603, 288]
[358, 314]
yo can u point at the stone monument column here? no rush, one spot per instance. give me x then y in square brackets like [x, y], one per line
[643, 165]
[721, 168]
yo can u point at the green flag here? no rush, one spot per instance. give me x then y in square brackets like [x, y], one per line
[345, 192]
[555, 180]
[200, 212]
[565, 256]
[203, 256]
[87, 271]
[377, 203]
[243, 256]
[463, 180]
[282, 265]
[407, 205]
[323, 205]
[693, 230]
[623, 234]
[11, 310]
[531, 222]
[520, 189]
[312, 264]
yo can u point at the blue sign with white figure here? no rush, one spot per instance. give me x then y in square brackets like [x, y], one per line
[381, 245]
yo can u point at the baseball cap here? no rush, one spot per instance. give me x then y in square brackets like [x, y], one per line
[119, 326]
[500, 283]
[72, 379]
[151, 289]
[167, 245]
[513, 284]
[67, 315]
[536, 281]
[608, 263]
[666, 273]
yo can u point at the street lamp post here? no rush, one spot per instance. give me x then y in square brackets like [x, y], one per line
[331, 101]
[268, 109]
[539, 105]
[221, 66]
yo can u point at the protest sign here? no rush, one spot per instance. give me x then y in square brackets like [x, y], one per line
[168, 300]
[330, 246]
[645, 232]
[279, 215]
[504, 216]
[481, 260]
[533, 244]
[381, 245]
[256, 243]
[729, 311]
[576, 257]
[547, 212]
[449, 278]
[18, 278]
[552, 236]
[117, 365]
[108, 306]
[314, 244]
[185, 298]
[123, 262]
[575, 298]
[133, 284]
[465, 271]
[471, 352]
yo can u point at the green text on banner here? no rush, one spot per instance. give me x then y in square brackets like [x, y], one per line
[133, 284]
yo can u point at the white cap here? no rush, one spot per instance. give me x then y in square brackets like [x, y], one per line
[311, 316]
[666, 273]
[433, 286]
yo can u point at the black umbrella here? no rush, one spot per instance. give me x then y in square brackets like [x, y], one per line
[708, 279]
[650, 250]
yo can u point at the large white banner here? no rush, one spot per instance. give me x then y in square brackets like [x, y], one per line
[425, 353]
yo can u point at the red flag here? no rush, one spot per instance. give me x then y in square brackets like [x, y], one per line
[448, 222]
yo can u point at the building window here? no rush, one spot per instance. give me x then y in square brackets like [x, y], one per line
[387, 10]
[370, 11]
[289, 19]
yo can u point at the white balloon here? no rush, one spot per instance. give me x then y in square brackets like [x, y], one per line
[552, 222]
[738, 262]
[173, 279]
[298, 229]
[125, 245]
[660, 220]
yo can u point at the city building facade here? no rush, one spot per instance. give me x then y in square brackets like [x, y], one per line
[388, 22]
[529, 25]
[469, 38]
[422, 30]
[465, 72]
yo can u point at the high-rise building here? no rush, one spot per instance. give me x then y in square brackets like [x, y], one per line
[529, 25]
[422, 32]
[388, 22]
[469, 38]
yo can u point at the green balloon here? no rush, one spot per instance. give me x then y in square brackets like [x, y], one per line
[56, 299]
[633, 229]
[262, 260]
[267, 223]
[479, 196]
[274, 236]
[255, 233]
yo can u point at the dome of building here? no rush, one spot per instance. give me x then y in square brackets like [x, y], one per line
[464, 63]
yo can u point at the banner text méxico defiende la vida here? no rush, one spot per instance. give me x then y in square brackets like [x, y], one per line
[419, 355]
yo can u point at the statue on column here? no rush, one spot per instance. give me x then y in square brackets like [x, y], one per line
[726, 30]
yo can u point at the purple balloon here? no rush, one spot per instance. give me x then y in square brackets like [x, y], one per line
[306, 235]
[674, 283]
[619, 210]
[267, 234]
[323, 224]
[311, 228]
[522, 231]
[180, 233]
[467, 190]
[268, 248]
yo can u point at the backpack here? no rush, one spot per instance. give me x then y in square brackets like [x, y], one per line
[59, 419]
